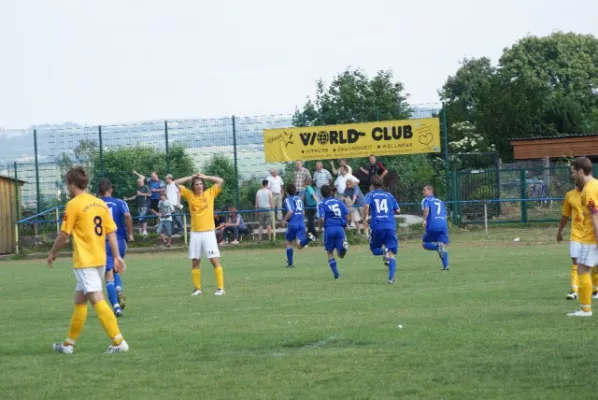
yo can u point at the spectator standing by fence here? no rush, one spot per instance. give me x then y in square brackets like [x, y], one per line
[143, 203]
[375, 167]
[156, 187]
[341, 181]
[341, 163]
[301, 174]
[173, 195]
[311, 204]
[276, 185]
[264, 203]
[321, 177]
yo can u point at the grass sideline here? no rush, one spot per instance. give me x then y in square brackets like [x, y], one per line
[493, 327]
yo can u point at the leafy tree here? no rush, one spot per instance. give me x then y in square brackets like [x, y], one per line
[541, 86]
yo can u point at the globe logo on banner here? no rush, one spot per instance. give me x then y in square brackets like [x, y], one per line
[323, 137]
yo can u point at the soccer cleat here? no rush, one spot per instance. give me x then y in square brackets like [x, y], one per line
[594, 295]
[311, 237]
[196, 292]
[580, 313]
[287, 265]
[444, 269]
[385, 258]
[337, 277]
[121, 299]
[219, 292]
[118, 312]
[62, 348]
[342, 255]
[345, 244]
[123, 347]
[391, 281]
[572, 296]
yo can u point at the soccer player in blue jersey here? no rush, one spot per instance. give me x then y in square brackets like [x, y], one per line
[381, 206]
[436, 235]
[333, 215]
[295, 223]
[124, 223]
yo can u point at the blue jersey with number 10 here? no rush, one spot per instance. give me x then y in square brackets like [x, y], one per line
[436, 220]
[118, 208]
[382, 207]
[295, 204]
[334, 212]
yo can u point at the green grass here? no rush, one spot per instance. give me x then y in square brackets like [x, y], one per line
[492, 327]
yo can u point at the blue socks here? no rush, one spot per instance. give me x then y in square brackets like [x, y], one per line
[332, 263]
[445, 262]
[111, 293]
[392, 267]
[290, 255]
[378, 252]
[118, 282]
[431, 246]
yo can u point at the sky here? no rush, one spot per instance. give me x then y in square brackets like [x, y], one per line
[93, 62]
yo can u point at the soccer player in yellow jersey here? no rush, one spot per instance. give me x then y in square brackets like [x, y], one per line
[581, 170]
[88, 220]
[203, 236]
[572, 209]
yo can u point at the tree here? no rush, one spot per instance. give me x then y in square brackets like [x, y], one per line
[541, 86]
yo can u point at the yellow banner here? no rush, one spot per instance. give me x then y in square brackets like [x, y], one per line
[383, 138]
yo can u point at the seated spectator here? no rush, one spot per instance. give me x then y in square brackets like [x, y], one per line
[235, 225]
[219, 223]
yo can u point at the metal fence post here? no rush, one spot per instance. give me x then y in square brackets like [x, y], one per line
[38, 194]
[454, 198]
[167, 149]
[101, 151]
[522, 175]
[235, 159]
[444, 134]
[17, 211]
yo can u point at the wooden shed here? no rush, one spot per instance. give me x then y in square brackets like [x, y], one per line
[555, 146]
[10, 211]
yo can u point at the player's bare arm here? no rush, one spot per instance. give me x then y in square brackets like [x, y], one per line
[425, 216]
[214, 179]
[119, 263]
[58, 244]
[129, 222]
[181, 181]
[562, 224]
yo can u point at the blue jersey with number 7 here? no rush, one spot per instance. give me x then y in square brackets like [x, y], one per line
[436, 220]
[382, 207]
[334, 212]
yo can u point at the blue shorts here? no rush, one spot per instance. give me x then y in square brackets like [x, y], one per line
[334, 236]
[386, 238]
[295, 231]
[122, 249]
[436, 236]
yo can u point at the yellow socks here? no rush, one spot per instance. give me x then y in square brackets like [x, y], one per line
[219, 277]
[594, 279]
[108, 321]
[585, 292]
[574, 279]
[196, 278]
[77, 323]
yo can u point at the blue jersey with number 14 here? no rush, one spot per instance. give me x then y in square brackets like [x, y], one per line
[382, 207]
[436, 220]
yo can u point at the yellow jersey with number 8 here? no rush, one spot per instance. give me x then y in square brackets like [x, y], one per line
[87, 219]
[589, 202]
[572, 208]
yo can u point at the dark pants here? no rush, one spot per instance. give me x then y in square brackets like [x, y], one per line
[235, 230]
[311, 216]
[177, 221]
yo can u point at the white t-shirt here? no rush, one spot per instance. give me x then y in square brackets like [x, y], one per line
[172, 193]
[275, 184]
[341, 182]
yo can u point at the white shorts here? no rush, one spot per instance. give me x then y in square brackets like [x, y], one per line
[89, 280]
[203, 243]
[574, 249]
[588, 255]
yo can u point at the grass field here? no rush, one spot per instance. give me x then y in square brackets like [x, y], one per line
[492, 327]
